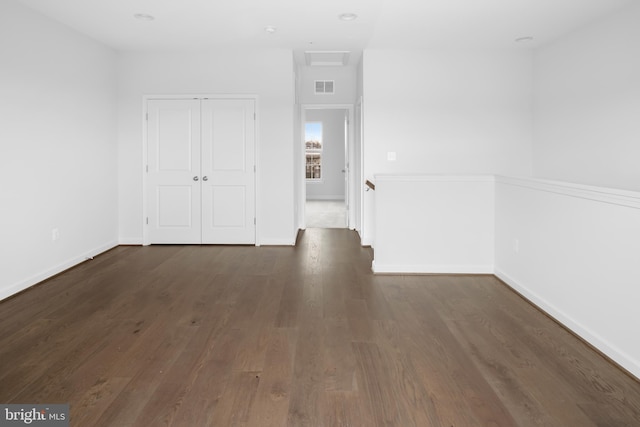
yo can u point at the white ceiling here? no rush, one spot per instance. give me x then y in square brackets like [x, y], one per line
[314, 25]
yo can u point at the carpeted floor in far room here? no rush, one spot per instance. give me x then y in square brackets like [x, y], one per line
[326, 214]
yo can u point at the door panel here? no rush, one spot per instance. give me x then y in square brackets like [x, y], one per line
[228, 139]
[228, 159]
[229, 205]
[175, 138]
[173, 144]
[174, 206]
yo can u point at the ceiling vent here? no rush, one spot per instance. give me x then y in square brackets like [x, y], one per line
[327, 58]
[324, 87]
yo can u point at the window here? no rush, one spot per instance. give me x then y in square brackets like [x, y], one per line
[313, 150]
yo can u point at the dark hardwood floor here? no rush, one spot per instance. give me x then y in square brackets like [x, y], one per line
[304, 336]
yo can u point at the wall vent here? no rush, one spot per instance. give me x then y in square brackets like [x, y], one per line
[324, 87]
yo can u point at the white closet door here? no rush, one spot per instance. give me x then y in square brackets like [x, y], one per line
[228, 159]
[173, 181]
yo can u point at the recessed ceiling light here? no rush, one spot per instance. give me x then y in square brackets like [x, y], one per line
[525, 39]
[347, 16]
[144, 17]
[270, 29]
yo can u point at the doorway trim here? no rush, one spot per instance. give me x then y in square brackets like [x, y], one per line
[351, 189]
[146, 241]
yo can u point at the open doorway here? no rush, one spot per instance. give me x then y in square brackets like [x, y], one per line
[326, 186]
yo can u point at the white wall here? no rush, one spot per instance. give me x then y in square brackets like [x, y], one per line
[298, 152]
[573, 250]
[587, 104]
[331, 187]
[356, 162]
[57, 147]
[446, 112]
[434, 224]
[266, 73]
[345, 84]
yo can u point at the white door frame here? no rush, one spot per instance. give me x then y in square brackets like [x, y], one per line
[351, 155]
[145, 229]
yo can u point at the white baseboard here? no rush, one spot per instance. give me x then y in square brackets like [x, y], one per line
[617, 355]
[277, 242]
[263, 242]
[44, 275]
[433, 269]
[136, 241]
[339, 198]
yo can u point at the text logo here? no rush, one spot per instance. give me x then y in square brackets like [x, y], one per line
[34, 415]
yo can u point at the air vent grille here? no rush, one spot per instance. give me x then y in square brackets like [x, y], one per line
[324, 87]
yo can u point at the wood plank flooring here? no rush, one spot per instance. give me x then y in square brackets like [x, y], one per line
[296, 336]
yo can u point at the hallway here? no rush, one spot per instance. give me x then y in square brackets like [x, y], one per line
[325, 214]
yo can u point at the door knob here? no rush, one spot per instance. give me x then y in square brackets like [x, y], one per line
[195, 178]
[204, 178]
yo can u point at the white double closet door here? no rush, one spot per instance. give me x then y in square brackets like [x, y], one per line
[201, 171]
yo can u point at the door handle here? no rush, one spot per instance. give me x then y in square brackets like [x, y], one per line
[204, 178]
[195, 178]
